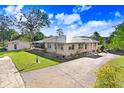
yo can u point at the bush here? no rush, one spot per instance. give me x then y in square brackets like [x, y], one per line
[106, 77]
[2, 49]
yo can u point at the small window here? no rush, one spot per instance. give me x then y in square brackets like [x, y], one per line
[80, 46]
[72, 46]
[15, 46]
[49, 45]
[55, 46]
[85, 46]
[69, 48]
[60, 46]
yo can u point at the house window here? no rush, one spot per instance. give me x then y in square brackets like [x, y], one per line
[55, 46]
[60, 46]
[85, 46]
[15, 46]
[71, 47]
[80, 46]
[49, 46]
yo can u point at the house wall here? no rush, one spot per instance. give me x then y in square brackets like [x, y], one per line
[52, 49]
[66, 52]
[20, 45]
[76, 50]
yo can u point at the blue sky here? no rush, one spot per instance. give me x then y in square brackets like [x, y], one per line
[76, 20]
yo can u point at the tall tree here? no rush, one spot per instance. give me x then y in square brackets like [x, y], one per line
[60, 32]
[97, 36]
[34, 21]
[117, 37]
[5, 23]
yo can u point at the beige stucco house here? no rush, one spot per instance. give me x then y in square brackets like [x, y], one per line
[75, 46]
[18, 45]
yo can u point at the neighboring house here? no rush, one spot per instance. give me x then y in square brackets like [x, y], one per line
[60, 46]
[18, 45]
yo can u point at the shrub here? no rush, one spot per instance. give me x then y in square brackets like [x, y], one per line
[2, 49]
[106, 77]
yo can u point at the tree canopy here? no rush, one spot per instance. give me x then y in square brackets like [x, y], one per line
[117, 37]
[59, 31]
[34, 21]
[5, 24]
[97, 37]
[39, 36]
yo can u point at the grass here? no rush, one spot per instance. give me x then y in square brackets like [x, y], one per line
[111, 75]
[26, 61]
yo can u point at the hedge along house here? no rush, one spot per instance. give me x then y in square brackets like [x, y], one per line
[59, 46]
[18, 45]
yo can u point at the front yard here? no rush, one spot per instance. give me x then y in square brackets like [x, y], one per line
[25, 61]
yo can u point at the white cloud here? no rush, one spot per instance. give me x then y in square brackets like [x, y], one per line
[67, 19]
[105, 28]
[21, 17]
[13, 10]
[81, 8]
[73, 26]
[117, 14]
[42, 10]
[50, 16]
[49, 31]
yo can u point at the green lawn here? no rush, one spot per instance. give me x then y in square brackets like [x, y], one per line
[27, 61]
[111, 75]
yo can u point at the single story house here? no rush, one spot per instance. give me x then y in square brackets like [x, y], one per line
[18, 45]
[60, 46]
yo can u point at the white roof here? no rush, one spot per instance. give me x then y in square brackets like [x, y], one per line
[63, 39]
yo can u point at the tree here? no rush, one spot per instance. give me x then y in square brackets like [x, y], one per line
[34, 21]
[117, 37]
[99, 38]
[38, 36]
[60, 32]
[11, 34]
[96, 36]
[5, 23]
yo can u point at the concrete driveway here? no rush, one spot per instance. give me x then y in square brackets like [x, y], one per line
[9, 75]
[72, 74]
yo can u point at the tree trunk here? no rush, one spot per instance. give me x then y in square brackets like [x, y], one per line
[3, 44]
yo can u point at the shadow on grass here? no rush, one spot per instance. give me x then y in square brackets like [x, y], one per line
[13, 51]
[117, 52]
[44, 56]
